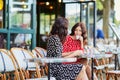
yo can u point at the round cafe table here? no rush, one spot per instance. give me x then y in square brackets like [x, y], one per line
[95, 56]
[51, 60]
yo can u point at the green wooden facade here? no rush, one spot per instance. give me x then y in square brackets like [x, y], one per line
[15, 14]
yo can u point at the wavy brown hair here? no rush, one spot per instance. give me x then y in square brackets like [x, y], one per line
[60, 28]
[84, 31]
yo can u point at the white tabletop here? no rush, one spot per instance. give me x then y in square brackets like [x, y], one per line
[51, 60]
[97, 56]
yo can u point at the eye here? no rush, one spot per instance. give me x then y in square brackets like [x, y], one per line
[80, 30]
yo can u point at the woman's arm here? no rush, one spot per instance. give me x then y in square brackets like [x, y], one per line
[65, 54]
[72, 54]
[81, 41]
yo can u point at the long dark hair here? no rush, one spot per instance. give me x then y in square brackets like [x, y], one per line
[84, 31]
[60, 28]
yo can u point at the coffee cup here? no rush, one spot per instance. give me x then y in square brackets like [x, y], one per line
[77, 37]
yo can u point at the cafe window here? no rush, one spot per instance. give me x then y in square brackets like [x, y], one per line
[20, 14]
[17, 18]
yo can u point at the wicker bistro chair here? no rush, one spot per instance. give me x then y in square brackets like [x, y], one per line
[27, 69]
[8, 69]
[98, 68]
[103, 64]
[41, 53]
[114, 74]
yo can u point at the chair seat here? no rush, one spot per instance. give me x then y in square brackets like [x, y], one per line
[27, 68]
[110, 65]
[99, 67]
[114, 72]
[32, 69]
[6, 62]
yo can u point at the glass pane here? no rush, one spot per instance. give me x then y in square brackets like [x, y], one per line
[46, 22]
[20, 20]
[20, 13]
[90, 26]
[21, 40]
[1, 13]
[72, 13]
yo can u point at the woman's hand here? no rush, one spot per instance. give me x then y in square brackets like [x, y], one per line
[81, 38]
[81, 41]
[78, 53]
[72, 54]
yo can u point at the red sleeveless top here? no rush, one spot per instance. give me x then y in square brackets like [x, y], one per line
[72, 45]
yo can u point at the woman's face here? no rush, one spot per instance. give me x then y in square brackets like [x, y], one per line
[78, 31]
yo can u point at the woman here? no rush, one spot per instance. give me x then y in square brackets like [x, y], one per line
[76, 41]
[54, 49]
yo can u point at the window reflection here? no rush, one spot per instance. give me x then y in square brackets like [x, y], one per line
[21, 40]
[72, 13]
[20, 20]
[20, 13]
[46, 22]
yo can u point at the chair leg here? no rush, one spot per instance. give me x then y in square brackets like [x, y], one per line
[1, 76]
[101, 76]
[17, 76]
[38, 73]
[116, 77]
[113, 76]
[4, 77]
[22, 77]
[27, 74]
[107, 76]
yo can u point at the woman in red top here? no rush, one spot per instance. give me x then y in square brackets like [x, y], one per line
[76, 41]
